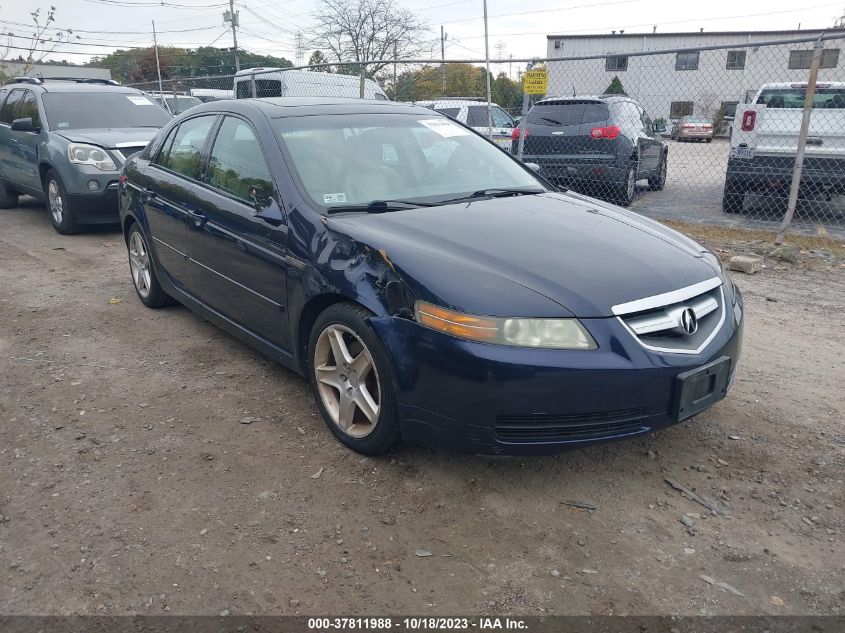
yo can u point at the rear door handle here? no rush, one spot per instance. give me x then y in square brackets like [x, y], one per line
[198, 218]
[149, 193]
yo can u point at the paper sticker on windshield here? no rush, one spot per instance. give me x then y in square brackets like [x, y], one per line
[334, 198]
[139, 100]
[444, 127]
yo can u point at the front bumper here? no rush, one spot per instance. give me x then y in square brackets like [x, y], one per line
[476, 398]
[96, 208]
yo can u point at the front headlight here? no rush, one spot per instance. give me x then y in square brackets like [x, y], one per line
[81, 154]
[518, 332]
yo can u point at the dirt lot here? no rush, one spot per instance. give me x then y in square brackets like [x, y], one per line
[128, 483]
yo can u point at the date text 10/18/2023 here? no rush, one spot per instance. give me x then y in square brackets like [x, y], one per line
[415, 624]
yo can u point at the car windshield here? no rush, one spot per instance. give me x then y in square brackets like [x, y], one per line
[84, 110]
[356, 160]
[825, 97]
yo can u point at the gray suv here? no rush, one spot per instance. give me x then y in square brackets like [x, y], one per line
[66, 141]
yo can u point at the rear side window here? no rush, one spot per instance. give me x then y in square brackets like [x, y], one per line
[567, 113]
[263, 88]
[236, 165]
[830, 98]
[10, 109]
[29, 108]
[184, 155]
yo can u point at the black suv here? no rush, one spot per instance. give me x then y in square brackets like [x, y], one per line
[601, 145]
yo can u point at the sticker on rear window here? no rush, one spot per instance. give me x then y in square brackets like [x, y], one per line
[444, 127]
[334, 198]
[139, 100]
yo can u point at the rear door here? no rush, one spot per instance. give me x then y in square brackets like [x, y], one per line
[238, 256]
[170, 187]
[9, 153]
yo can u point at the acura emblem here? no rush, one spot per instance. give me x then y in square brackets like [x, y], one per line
[689, 322]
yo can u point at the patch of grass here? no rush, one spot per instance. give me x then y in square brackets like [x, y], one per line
[757, 241]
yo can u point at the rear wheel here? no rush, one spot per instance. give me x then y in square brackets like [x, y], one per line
[351, 378]
[626, 189]
[61, 214]
[143, 272]
[8, 198]
[709, 140]
[733, 198]
[657, 182]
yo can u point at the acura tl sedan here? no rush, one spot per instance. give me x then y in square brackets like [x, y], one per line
[432, 288]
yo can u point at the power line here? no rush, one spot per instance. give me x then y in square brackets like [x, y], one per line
[144, 5]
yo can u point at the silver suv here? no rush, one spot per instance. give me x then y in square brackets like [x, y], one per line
[65, 142]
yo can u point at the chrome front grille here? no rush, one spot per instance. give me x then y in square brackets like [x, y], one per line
[660, 324]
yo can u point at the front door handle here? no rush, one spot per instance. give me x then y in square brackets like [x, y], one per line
[149, 194]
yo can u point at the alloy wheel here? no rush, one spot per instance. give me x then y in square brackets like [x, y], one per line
[139, 263]
[347, 380]
[56, 202]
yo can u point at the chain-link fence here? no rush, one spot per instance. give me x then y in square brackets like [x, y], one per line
[709, 134]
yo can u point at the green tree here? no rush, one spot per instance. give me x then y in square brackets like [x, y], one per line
[317, 58]
[615, 87]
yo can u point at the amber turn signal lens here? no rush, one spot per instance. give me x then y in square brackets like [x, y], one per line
[457, 324]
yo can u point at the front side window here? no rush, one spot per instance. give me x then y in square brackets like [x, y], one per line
[477, 116]
[616, 63]
[677, 109]
[794, 97]
[736, 60]
[236, 164]
[803, 59]
[687, 61]
[29, 109]
[354, 160]
[184, 155]
[11, 107]
[99, 109]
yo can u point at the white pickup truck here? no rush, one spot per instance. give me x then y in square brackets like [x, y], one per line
[764, 142]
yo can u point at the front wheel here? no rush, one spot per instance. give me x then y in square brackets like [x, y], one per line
[61, 213]
[8, 198]
[351, 378]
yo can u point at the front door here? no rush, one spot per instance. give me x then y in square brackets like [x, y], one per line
[25, 144]
[238, 245]
[170, 194]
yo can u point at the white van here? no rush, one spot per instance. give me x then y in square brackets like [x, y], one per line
[277, 82]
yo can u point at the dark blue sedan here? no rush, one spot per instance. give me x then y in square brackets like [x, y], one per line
[433, 289]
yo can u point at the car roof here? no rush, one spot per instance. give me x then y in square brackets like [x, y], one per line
[802, 84]
[277, 107]
[71, 86]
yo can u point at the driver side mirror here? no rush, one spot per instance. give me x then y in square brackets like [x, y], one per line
[533, 167]
[24, 125]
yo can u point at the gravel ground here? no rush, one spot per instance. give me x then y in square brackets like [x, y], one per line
[129, 484]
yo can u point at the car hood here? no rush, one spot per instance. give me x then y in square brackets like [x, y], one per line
[488, 256]
[111, 137]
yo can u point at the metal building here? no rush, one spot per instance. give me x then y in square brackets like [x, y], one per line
[692, 77]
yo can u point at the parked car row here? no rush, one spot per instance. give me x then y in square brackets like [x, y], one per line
[433, 288]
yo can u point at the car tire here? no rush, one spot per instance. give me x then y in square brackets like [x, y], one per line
[709, 140]
[61, 213]
[626, 190]
[656, 183]
[8, 198]
[732, 199]
[142, 270]
[361, 375]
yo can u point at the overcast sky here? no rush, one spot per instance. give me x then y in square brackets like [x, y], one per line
[270, 26]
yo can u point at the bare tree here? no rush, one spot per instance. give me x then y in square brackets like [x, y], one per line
[43, 41]
[365, 30]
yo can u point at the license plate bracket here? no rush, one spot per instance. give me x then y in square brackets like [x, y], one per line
[743, 152]
[700, 388]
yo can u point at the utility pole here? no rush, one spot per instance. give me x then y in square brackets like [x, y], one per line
[510, 67]
[487, 64]
[443, 37]
[300, 49]
[231, 16]
[158, 66]
[395, 55]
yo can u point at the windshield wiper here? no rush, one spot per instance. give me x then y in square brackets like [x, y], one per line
[551, 120]
[380, 206]
[495, 192]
